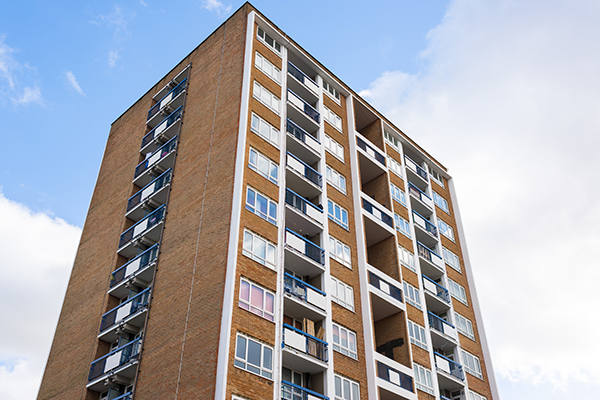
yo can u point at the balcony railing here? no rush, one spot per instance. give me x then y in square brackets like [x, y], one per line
[148, 222]
[395, 377]
[302, 77]
[304, 342]
[160, 128]
[126, 396]
[307, 171]
[430, 255]
[419, 194]
[436, 288]
[141, 261]
[291, 391]
[303, 105]
[156, 156]
[440, 325]
[377, 213]
[124, 310]
[304, 206]
[416, 168]
[303, 291]
[168, 97]
[385, 287]
[303, 136]
[424, 223]
[304, 246]
[449, 366]
[148, 190]
[370, 151]
[115, 359]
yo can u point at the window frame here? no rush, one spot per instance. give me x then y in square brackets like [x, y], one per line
[273, 67]
[345, 250]
[272, 130]
[409, 290]
[470, 360]
[338, 146]
[444, 228]
[332, 216]
[395, 166]
[255, 168]
[476, 396]
[336, 283]
[239, 360]
[265, 294]
[399, 223]
[336, 176]
[398, 194]
[332, 118]
[419, 342]
[254, 209]
[441, 202]
[404, 251]
[272, 97]
[452, 285]
[390, 139]
[460, 320]
[264, 41]
[345, 350]
[353, 393]
[423, 372]
[452, 256]
[269, 246]
[326, 89]
[436, 177]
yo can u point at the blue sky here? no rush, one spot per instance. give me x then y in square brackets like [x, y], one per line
[504, 93]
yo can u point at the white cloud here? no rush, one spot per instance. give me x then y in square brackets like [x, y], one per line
[113, 56]
[216, 6]
[8, 64]
[119, 22]
[142, 2]
[508, 100]
[36, 259]
[29, 95]
[10, 70]
[73, 82]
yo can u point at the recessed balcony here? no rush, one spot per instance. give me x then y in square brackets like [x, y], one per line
[441, 331]
[371, 160]
[393, 379]
[127, 318]
[117, 367]
[450, 373]
[432, 264]
[437, 297]
[150, 197]
[302, 300]
[420, 201]
[143, 234]
[291, 391]
[416, 174]
[379, 223]
[166, 105]
[302, 84]
[165, 130]
[302, 112]
[302, 178]
[426, 232]
[387, 296]
[156, 163]
[305, 352]
[302, 143]
[136, 272]
[302, 215]
[303, 256]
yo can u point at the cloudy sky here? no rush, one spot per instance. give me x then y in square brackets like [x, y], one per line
[504, 93]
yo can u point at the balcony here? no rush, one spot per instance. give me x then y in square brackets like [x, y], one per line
[120, 365]
[164, 131]
[302, 178]
[302, 143]
[427, 233]
[433, 264]
[394, 384]
[291, 391]
[302, 83]
[305, 352]
[184, 74]
[171, 101]
[303, 256]
[126, 396]
[450, 373]
[437, 296]
[306, 300]
[424, 203]
[443, 330]
[150, 197]
[156, 163]
[379, 224]
[419, 176]
[138, 272]
[371, 160]
[144, 233]
[302, 112]
[386, 296]
[302, 215]
[128, 317]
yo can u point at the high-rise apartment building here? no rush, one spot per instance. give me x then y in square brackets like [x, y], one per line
[258, 231]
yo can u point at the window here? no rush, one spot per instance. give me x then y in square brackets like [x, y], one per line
[464, 326]
[265, 130]
[451, 259]
[332, 118]
[345, 389]
[339, 251]
[269, 69]
[336, 179]
[398, 194]
[402, 225]
[253, 356]
[391, 140]
[269, 41]
[263, 165]
[334, 147]
[407, 258]
[266, 97]
[395, 166]
[259, 249]
[331, 92]
[411, 295]
[446, 229]
[257, 300]
[344, 341]
[471, 364]
[437, 178]
[337, 214]
[342, 294]
[457, 291]
[441, 202]
[423, 379]
[475, 396]
[417, 335]
[261, 205]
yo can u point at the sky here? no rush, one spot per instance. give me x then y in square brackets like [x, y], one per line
[504, 93]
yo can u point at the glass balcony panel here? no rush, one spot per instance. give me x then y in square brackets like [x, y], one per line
[441, 326]
[162, 132]
[304, 342]
[395, 377]
[304, 169]
[115, 359]
[125, 310]
[385, 287]
[160, 160]
[291, 391]
[160, 104]
[377, 213]
[305, 292]
[449, 366]
[303, 106]
[370, 150]
[436, 288]
[139, 228]
[421, 195]
[304, 246]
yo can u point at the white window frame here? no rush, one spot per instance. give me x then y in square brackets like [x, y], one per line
[441, 202]
[336, 179]
[471, 364]
[391, 140]
[270, 70]
[332, 216]
[263, 95]
[333, 147]
[394, 166]
[457, 291]
[263, 370]
[437, 178]
[423, 379]
[398, 194]
[332, 92]
[348, 389]
[333, 119]
[270, 249]
[402, 225]
[407, 258]
[276, 46]
[451, 259]
[464, 326]
[340, 252]
[271, 205]
[475, 396]
[261, 127]
[412, 295]
[261, 312]
[339, 347]
[417, 335]
[445, 229]
[339, 288]
[261, 158]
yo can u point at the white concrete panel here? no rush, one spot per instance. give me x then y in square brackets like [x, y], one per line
[296, 101]
[316, 299]
[123, 312]
[314, 213]
[394, 377]
[295, 340]
[295, 242]
[139, 228]
[146, 193]
[384, 287]
[442, 364]
[166, 100]
[160, 128]
[295, 165]
[154, 158]
[430, 286]
[312, 143]
[311, 85]
[132, 267]
[113, 361]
